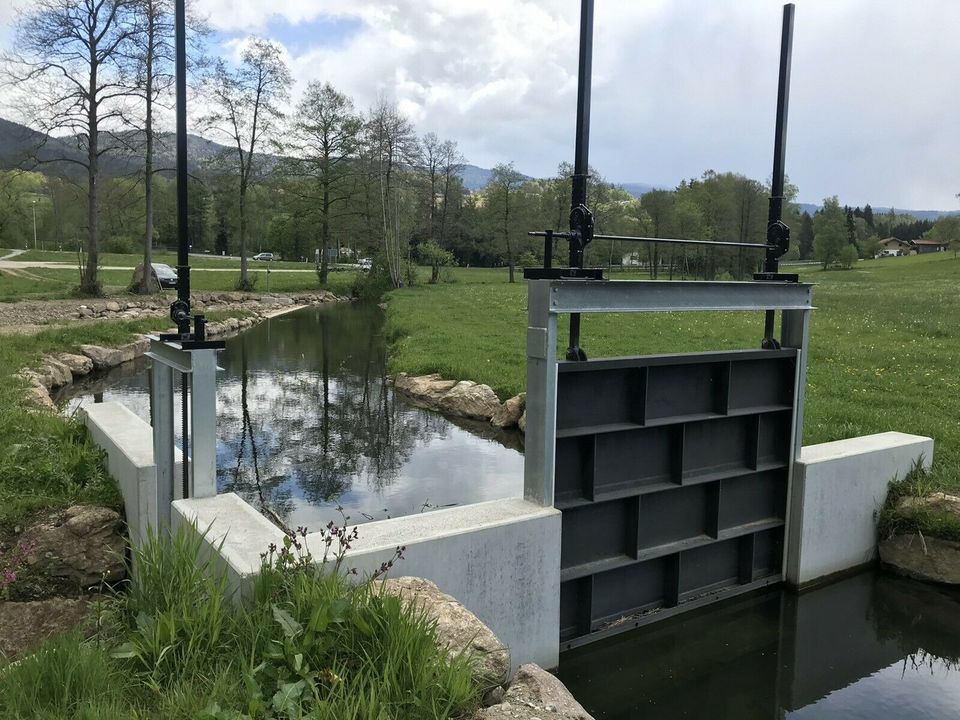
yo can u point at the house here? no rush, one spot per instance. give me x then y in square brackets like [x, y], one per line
[892, 247]
[929, 246]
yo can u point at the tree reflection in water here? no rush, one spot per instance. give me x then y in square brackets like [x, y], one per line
[310, 424]
[306, 421]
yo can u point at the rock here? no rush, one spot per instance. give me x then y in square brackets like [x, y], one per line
[78, 364]
[493, 696]
[84, 543]
[922, 557]
[84, 311]
[57, 371]
[286, 301]
[937, 502]
[509, 414]
[427, 388]
[457, 628]
[103, 358]
[470, 400]
[535, 694]
[24, 625]
[522, 422]
[38, 395]
[136, 348]
[112, 306]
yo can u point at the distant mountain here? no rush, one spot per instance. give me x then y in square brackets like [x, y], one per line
[638, 189]
[879, 210]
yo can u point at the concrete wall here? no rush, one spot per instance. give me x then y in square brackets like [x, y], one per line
[838, 487]
[128, 442]
[500, 559]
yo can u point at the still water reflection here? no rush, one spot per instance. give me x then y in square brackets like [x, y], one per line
[307, 422]
[872, 646]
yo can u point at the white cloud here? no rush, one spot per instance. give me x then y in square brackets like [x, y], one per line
[679, 85]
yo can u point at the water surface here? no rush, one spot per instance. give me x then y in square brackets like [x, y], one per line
[307, 422]
[873, 646]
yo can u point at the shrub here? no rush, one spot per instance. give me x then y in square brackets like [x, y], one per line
[120, 244]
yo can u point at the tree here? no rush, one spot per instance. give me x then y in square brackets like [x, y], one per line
[946, 230]
[72, 62]
[326, 131]
[451, 164]
[805, 236]
[154, 56]
[391, 142]
[247, 111]
[830, 239]
[504, 182]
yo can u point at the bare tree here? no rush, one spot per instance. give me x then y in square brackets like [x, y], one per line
[154, 58]
[451, 165]
[326, 132]
[504, 183]
[393, 142]
[247, 112]
[71, 62]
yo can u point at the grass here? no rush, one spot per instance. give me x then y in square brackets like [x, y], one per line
[57, 283]
[307, 643]
[169, 258]
[46, 460]
[884, 342]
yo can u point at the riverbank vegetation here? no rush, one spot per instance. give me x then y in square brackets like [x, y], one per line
[306, 644]
[883, 345]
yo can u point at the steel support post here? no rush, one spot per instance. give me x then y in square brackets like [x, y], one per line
[795, 333]
[163, 447]
[541, 408]
[203, 411]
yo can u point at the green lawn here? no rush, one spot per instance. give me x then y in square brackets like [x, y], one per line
[133, 259]
[885, 340]
[53, 283]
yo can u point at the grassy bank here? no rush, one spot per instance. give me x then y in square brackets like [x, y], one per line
[883, 352]
[46, 461]
[306, 644]
[32, 283]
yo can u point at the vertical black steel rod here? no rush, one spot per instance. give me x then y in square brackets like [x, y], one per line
[775, 215]
[183, 247]
[581, 160]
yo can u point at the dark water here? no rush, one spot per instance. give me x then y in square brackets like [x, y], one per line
[306, 422]
[873, 646]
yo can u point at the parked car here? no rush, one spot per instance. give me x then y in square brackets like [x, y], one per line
[263, 256]
[165, 275]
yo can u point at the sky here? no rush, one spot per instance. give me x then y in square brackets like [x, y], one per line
[679, 86]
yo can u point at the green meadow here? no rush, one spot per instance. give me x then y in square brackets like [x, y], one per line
[884, 344]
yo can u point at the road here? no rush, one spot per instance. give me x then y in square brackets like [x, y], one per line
[7, 264]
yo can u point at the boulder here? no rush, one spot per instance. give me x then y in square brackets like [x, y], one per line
[102, 358]
[922, 557]
[535, 694]
[39, 396]
[522, 422]
[458, 629]
[84, 543]
[78, 364]
[470, 400]
[426, 388]
[112, 306]
[57, 371]
[509, 414]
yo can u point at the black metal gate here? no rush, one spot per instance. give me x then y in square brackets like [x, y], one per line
[671, 473]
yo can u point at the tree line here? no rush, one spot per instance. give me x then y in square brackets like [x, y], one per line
[326, 179]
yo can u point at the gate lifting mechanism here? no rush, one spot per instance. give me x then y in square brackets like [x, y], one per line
[581, 218]
[186, 352]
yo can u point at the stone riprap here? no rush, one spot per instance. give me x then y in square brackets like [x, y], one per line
[535, 694]
[83, 544]
[458, 629]
[63, 369]
[463, 398]
[920, 556]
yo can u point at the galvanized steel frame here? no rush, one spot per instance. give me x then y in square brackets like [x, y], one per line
[201, 365]
[547, 299]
